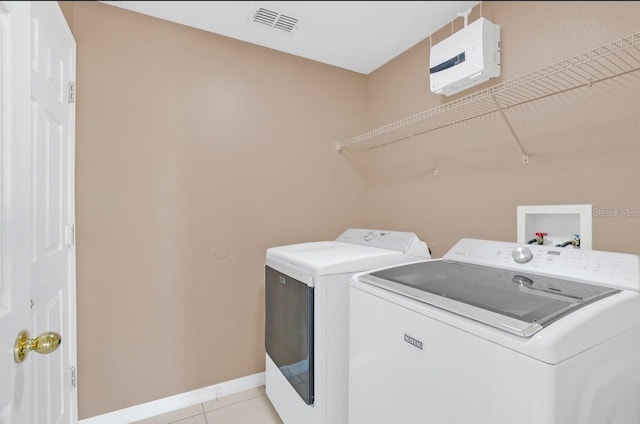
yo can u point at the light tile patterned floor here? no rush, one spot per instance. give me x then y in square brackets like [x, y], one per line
[248, 407]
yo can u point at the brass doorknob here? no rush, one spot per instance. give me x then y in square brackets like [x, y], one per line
[44, 343]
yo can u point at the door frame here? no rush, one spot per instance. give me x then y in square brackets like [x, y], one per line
[70, 338]
[72, 335]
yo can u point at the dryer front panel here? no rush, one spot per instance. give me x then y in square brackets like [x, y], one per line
[289, 330]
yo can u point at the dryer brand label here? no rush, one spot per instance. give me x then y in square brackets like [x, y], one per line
[413, 342]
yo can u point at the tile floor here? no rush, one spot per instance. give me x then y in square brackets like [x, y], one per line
[250, 407]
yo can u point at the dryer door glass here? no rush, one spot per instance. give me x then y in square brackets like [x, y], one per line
[520, 303]
[289, 330]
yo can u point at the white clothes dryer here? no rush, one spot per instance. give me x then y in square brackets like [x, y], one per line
[307, 318]
[498, 333]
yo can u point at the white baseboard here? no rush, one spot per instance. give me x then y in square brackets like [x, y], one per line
[183, 400]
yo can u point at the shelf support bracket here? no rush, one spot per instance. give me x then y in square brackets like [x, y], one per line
[525, 155]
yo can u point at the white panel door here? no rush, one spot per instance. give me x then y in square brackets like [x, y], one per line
[37, 255]
[15, 217]
[52, 235]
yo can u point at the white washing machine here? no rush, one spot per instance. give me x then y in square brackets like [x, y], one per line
[307, 318]
[498, 333]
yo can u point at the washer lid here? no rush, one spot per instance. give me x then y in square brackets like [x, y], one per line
[334, 257]
[517, 302]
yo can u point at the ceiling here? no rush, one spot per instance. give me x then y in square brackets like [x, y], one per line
[359, 36]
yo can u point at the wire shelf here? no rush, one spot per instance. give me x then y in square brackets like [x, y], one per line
[607, 61]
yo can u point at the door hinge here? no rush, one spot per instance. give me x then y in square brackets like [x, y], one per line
[72, 92]
[70, 232]
[72, 377]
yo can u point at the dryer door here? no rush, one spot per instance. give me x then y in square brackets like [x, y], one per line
[289, 330]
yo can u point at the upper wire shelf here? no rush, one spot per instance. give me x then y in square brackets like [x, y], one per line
[610, 60]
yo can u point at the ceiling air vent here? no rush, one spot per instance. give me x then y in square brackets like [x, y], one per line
[275, 19]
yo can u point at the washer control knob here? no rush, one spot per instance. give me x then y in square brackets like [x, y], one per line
[369, 236]
[522, 255]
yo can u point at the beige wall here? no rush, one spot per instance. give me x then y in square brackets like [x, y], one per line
[195, 153]
[583, 145]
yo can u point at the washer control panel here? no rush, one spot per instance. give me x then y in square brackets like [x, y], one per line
[619, 270]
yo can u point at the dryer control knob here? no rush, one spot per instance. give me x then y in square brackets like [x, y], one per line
[522, 255]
